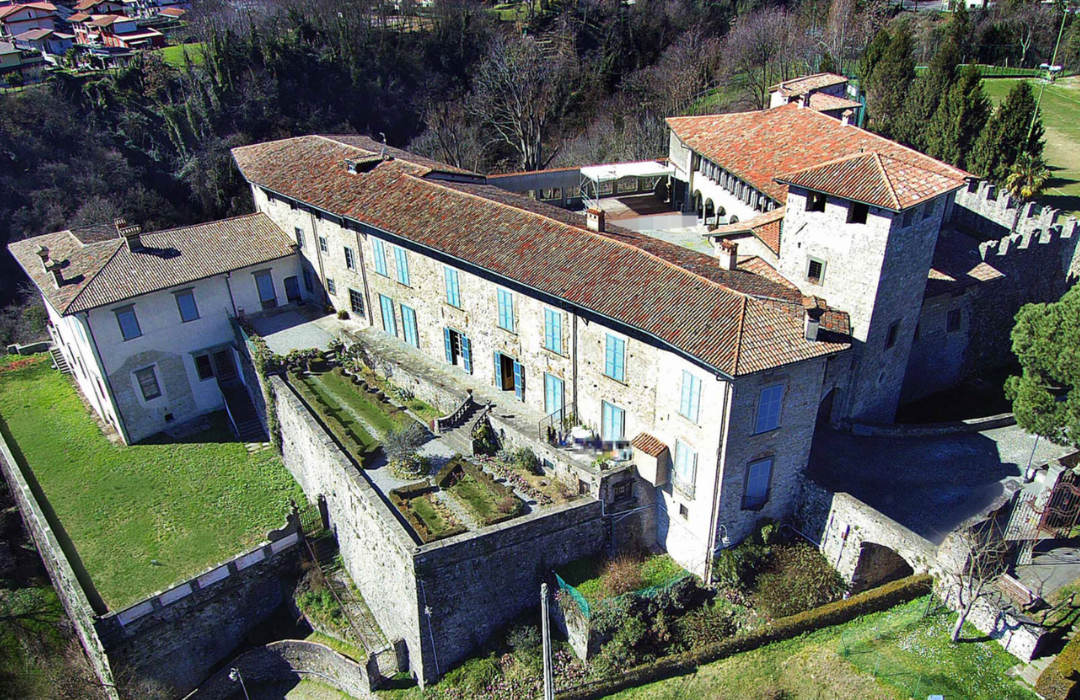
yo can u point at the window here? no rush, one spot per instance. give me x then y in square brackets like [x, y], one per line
[890, 337]
[758, 475]
[299, 237]
[264, 282]
[685, 473]
[623, 490]
[815, 270]
[408, 326]
[129, 323]
[952, 321]
[684, 512]
[691, 396]
[380, 257]
[330, 286]
[401, 257]
[554, 396]
[356, 302]
[203, 367]
[815, 201]
[185, 301]
[307, 282]
[350, 258]
[553, 330]
[615, 358]
[768, 413]
[929, 210]
[458, 346]
[453, 291]
[148, 383]
[909, 217]
[857, 213]
[386, 305]
[613, 424]
[506, 310]
[322, 244]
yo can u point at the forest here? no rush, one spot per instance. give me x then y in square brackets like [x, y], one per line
[567, 82]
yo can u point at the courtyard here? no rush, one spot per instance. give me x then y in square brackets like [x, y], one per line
[139, 518]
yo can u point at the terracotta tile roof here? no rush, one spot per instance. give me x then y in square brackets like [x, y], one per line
[762, 146]
[88, 4]
[106, 20]
[34, 34]
[98, 269]
[173, 12]
[648, 444]
[830, 103]
[374, 148]
[79, 17]
[957, 264]
[765, 226]
[42, 6]
[808, 83]
[679, 296]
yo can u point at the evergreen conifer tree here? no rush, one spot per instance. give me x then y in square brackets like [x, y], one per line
[890, 81]
[927, 93]
[959, 120]
[1006, 135]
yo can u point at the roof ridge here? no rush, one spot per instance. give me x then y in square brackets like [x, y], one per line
[93, 277]
[249, 215]
[888, 182]
[590, 232]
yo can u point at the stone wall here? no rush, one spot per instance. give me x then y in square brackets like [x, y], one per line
[173, 640]
[68, 587]
[288, 660]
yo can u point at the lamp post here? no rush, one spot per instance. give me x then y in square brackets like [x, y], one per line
[235, 677]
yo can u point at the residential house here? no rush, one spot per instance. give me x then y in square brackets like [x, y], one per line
[827, 93]
[48, 42]
[144, 319]
[16, 19]
[114, 31]
[18, 61]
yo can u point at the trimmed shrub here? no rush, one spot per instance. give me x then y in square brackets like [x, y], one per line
[1059, 679]
[882, 598]
[797, 578]
[344, 438]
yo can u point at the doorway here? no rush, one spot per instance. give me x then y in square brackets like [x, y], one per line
[292, 289]
[225, 365]
[510, 374]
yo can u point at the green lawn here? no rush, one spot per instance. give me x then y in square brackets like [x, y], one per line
[896, 654]
[424, 508]
[1060, 107]
[332, 405]
[174, 55]
[145, 516]
[587, 575]
[379, 415]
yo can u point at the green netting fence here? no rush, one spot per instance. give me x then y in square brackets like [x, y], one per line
[649, 592]
[574, 595]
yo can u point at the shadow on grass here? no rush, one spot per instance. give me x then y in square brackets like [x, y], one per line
[66, 545]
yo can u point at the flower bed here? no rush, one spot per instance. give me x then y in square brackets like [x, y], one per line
[428, 518]
[489, 501]
[544, 490]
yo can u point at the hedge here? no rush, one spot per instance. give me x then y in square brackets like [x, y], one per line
[315, 405]
[1060, 678]
[882, 598]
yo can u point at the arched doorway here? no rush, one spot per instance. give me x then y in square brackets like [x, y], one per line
[699, 206]
[878, 565]
[710, 211]
[825, 408]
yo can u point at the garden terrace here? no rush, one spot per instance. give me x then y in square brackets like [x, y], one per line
[601, 579]
[488, 501]
[429, 518]
[136, 519]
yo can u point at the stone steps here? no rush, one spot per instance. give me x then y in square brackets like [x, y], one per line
[59, 361]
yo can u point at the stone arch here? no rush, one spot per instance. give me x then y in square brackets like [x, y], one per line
[721, 211]
[827, 406]
[698, 204]
[710, 210]
[877, 565]
[733, 220]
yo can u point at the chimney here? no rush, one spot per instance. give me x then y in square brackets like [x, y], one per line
[53, 268]
[813, 309]
[132, 235]
[729, 255]
[43, 253]
[800, 100]
[594, 219]
[845, 117]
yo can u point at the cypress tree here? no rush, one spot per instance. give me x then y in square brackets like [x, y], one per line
[927, 93]
[890, 81]
[959, 120]
[1006, 135]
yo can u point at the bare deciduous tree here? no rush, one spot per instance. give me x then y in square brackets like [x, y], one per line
[753, 50]
[971, 560]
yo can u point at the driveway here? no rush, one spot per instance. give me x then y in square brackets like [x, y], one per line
[928, 484]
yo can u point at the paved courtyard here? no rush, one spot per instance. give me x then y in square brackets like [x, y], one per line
[297, 327]
[928, 484]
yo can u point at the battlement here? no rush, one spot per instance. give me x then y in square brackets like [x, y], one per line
[991, 211]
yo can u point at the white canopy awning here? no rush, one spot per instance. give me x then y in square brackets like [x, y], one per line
[617, 171]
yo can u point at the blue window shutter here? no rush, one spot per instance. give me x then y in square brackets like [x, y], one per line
[466, 354]
[609, 357]
[380, 256]
[519, 380]
[498, 370]
[449, 349]
[684, 402]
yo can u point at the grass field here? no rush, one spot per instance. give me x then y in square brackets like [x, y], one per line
[889, 655]
[1060, 108]
[144, 516]
[174, 55]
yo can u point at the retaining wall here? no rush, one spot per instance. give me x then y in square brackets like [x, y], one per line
[288, 660]
[67, 585]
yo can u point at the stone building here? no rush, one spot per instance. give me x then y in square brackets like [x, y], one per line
[143, 319]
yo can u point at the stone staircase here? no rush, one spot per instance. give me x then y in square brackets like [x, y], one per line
[460, 436]
[242, 411]
[59, 361]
